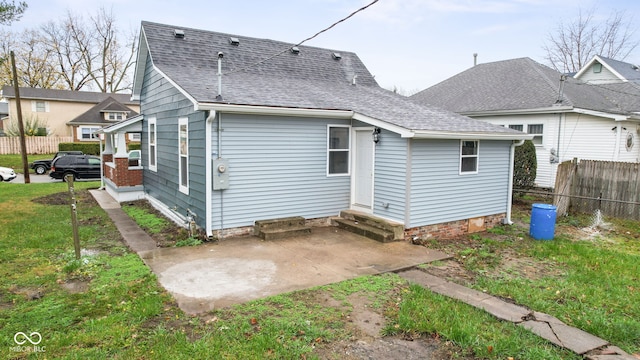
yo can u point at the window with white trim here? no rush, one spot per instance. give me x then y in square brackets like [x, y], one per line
[469, 153]
[114, 116]
[153, 149]
[134, 136]
[537, 130]
[338, 145]
[39, 106]
[183, 155]
[516, 127]
[87, 132]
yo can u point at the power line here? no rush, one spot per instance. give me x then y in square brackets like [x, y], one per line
[305, 40]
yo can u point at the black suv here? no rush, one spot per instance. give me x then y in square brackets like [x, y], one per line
[41, 166]
[80, 166]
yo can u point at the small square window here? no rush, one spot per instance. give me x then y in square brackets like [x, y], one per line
[536, 129]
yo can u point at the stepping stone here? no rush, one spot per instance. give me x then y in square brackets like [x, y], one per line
[565, 336]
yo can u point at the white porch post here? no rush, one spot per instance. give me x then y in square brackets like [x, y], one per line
[108, 143]
[121, 150]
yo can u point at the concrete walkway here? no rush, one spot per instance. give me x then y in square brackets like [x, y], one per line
[546, 326]
[240, 269]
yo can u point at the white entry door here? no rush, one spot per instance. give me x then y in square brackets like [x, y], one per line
[362, 181]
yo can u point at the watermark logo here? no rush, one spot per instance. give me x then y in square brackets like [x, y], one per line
[21, 339]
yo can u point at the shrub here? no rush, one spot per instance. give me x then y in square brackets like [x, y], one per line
[87, 148]
[525, 166]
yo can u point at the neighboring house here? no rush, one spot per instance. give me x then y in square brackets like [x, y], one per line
[602, 70]
[55, 108]
[567, 117]
[301, 131]
[108, 112]
[4, 114]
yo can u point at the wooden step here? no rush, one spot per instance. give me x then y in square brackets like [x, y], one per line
[397, 229]
[363, 229]
[273, 229]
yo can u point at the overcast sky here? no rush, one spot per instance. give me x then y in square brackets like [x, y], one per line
[409, 44]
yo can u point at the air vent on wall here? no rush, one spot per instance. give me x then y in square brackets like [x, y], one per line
[178, 33]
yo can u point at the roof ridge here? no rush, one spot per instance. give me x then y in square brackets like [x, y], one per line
[556, 88]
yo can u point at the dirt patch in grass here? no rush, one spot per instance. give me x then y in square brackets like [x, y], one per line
[64, 198]
[75, 286]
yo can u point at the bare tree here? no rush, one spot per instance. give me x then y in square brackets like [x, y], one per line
[573, 44]
[68, 41]
[111, 61]
[34, 60]
[10, 11]
[73, 54]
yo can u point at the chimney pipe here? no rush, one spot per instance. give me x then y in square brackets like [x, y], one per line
[475, 59]
[220, 56]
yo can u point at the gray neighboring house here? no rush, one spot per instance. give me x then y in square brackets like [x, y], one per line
[567, 117]
[307, 132]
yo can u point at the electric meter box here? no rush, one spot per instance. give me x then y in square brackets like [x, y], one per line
[220, 174]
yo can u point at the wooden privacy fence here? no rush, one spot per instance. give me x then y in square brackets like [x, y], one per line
[588, 185]
[35, 144]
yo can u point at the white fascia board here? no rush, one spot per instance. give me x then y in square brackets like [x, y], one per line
[616, 117]
[547, 110]
[403, 132]
[469, 135]
[272, 110]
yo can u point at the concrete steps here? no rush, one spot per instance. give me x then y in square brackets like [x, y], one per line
[274, 229]
[369, 226]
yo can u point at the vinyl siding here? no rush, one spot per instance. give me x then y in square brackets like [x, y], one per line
[593, 138]
[161, 100]
[546, 172]
[390, 177]
[603, 77]
[439, 194]
[277, 168]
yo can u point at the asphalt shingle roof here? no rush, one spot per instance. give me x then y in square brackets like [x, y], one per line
[95, 115]
[65, 95]
[311, 79]
[523, 84]
[629, 71]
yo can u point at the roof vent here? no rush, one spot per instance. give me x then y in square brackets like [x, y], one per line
[336, 56]
[178, 33]
[295, 50]
[234, 41]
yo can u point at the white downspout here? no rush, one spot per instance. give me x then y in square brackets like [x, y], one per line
[211, 115]
[616, 151]
[512, 152]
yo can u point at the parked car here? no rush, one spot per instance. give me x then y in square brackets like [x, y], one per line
[79, 166]
[42, 166]
[134, 157]
[7, 174]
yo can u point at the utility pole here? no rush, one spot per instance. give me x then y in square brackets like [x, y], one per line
[23, 144]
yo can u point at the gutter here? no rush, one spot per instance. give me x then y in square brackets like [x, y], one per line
[210, 116]
[507, 219]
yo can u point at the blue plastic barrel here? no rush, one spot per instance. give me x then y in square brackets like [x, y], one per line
[543, 221]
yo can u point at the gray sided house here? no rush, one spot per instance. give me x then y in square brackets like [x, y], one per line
[238, 129]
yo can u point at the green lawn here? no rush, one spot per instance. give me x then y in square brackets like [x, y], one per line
[122, 312]
[15, 161]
